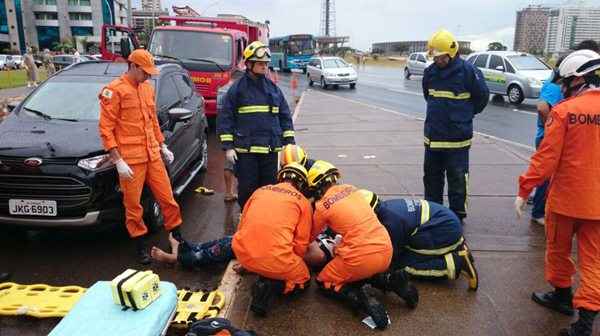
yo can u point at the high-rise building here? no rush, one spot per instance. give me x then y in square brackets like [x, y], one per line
[531, 29]
[568, 26]
[151, 5]
[45, 23]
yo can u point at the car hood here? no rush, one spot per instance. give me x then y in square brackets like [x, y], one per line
[541, 75]
[337, 71]
[21, 136]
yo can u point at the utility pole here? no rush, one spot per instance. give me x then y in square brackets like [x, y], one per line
[129, 14]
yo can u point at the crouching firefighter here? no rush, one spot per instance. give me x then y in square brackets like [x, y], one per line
[273, 236]
[254, 124]
[365, 249]
[427, 238]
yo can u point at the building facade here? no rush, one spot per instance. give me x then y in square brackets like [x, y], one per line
[46, 23]
[531, 29]
[568, 26]
[147, 19]
[406, 47]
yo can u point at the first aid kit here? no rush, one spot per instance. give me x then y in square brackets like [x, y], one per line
[135, 289]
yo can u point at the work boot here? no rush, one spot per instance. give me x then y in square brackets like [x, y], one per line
[359, 299]
[584, 325]
[397, 282]
[560, 300]
[263, 291]
[4, 276]
[141, 250]
[467, 268]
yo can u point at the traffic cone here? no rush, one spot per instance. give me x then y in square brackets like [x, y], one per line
[294, 85]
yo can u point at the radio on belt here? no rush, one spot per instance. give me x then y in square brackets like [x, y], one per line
[135, 289]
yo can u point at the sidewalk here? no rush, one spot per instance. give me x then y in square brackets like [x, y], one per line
[382, 150]
[15, 92]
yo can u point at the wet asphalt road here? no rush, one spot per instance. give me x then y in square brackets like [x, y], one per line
[81, 257]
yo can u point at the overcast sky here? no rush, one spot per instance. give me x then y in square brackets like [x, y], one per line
[368, 21]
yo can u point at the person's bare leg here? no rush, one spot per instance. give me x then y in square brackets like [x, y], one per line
[162, 256]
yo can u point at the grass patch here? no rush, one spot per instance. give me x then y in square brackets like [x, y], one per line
[18, 78]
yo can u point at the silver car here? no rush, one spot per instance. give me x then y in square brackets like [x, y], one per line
[514, 74]
[416, 64]
[330, 71]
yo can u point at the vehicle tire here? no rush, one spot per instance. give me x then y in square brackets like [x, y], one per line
[406, 73]
[515, 94]
[304, 71]
[335, 86]
[353, 86]
[310, 81]
[324, 84]
[153, 216]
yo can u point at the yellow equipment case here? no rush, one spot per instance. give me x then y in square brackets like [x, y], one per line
[135, 289]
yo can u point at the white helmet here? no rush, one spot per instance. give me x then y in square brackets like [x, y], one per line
[579, 63]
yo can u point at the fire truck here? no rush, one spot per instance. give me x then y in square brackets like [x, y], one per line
[210, 48]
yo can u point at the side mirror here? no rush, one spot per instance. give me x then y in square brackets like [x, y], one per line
[125, 49]
[500, 68]
[180, 114]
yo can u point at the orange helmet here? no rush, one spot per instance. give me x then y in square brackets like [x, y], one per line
[293, 153]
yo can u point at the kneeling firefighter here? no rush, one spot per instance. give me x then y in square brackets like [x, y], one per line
[254, 124]
[273, 236]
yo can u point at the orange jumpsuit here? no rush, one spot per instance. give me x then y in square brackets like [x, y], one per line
[128, 122]
[366, 248]
[570, 155]
[273, 234]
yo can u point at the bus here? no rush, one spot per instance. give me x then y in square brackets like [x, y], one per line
[291, 52]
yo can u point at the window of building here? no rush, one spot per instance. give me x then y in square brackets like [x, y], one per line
[80, 16]
[3, 19]
[82, 31]
[47, 36]
[45, 2]
[46, 16]
[80, 3]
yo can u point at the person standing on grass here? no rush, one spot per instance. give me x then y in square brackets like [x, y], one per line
[31, 68]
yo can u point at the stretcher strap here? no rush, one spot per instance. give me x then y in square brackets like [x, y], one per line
[120, 285]
[132, 301]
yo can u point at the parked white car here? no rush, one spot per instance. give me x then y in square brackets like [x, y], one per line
[331, 71]
[18, 61]
[6, 62]
[416, 64]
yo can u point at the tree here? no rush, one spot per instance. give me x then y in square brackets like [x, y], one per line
[464, 50]
[65, 45]
[496, 46]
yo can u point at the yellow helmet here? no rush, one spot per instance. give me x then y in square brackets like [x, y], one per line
[258, 52]
[442, 42]
[295, 172]
[322, 171]
[293, 153]
[370, 197]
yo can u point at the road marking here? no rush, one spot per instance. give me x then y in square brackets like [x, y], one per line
[410, 116]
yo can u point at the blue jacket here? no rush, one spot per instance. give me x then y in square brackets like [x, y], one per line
[454, 95]
[255, 117]
[419, 225]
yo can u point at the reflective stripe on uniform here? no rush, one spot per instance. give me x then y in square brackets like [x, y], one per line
[424, 212]
[466, 191]
[447, 144]
[440, 251]
[450, 266]
[289, 134]
[258, 108]
[256, 149]
[449, 272]
[449, 94]
[226, 137]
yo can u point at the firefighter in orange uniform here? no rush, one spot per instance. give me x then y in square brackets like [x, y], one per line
[273, 236]
[365, 249]
[130, 133]
[570, 156]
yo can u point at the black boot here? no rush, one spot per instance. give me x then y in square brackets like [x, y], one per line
[584, 325]
[397, 281]
[467, 266]
[560, 300]
[359, 299]
[263, 292]
[141, 250]
[4, 276]
[176, 233]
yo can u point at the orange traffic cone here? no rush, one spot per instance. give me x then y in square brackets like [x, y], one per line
[294, 85]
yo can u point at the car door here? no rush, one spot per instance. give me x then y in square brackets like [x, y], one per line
[166, 99]
[188, 134]
[420, 64]
[481, 62]
[310, 68]
[496, 78]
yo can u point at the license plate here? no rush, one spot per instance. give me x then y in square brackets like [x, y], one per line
[32, 207]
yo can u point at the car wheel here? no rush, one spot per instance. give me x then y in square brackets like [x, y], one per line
[406, 73]
[153, 216]
[323, 83]
[304, 71]
[515, 94]
[310, 81]
[335, 86]
[353, 86]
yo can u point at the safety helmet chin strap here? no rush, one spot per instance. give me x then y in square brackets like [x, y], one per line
[572, 91]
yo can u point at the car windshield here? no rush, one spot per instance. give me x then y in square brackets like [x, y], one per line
[186, 45]
[527, 62]
[335, 63]
[301, 47]
[81, 93]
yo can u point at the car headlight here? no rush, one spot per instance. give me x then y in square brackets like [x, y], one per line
[95, 163]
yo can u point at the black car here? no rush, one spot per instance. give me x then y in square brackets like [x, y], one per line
[53, 169]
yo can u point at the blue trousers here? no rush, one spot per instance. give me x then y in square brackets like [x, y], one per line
[539, 197]
[196, 255]
[254, 171]
[453, 165]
